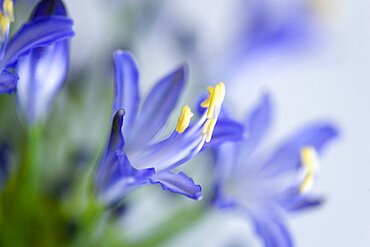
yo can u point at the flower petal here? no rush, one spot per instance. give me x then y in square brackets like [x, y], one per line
[287, 155]
[8, 82]
[302, 203]
[226, 130]
[178, 183]
[40, 32]
[292, 200]
[109, 163]
[272, 231]
[257, 125]
[126, 86]
[173, 150]
[46, 8]
[42, 73]
[115, 175]
[158, 105]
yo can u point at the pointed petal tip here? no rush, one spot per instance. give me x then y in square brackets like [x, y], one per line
[118, 119]
[123, 53]
[180, 73]
[328, 129]
[178, 183]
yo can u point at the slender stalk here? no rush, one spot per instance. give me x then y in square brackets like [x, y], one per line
[178, 223]
[29, 172]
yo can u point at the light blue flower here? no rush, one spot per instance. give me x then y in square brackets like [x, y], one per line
[43, 70]
[265, 183]
[38, 32]
[139, 152]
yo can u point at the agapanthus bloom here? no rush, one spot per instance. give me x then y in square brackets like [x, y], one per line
[270, 25]
[38, 32]
[43, 70]
[267, 183]
[137, 152]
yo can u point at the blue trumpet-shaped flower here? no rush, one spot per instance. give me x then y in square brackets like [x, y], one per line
[43, 70]
[267, 185]
[38, 32]
[137, 152]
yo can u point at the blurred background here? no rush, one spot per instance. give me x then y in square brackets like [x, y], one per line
[312, 56]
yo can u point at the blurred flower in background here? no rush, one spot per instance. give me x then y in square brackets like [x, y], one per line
[266, 184]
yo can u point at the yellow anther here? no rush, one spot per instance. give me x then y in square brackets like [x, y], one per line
[4, 25]
[184, 119]
[309, 159]
[208, 128]
[310, 162]
[206, 102]
[306, 183]
[216, 99]
[8, 9]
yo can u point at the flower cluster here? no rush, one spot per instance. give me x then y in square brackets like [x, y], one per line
[144, 147]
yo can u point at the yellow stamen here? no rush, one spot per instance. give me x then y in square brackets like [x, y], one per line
[8, 9]
[306, 183]
[310, 162]
[208, 128]
[4, 25]
[184, 119]
[206, 102]
[216, 99]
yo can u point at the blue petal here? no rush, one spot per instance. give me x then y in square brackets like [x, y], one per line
[178, 183]
[110, 160]
[49, 7]
[263, 29]
[302, 203]
[292, 200]
[42, 73]
[8, 82]
[272, 231]
[226, 130]
[40, 32]
[287, 155]
[115, 175]
[225, 156]
[126, 86]
[257, 125]
[159, 104]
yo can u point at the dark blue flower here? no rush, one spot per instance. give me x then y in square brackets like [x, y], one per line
[43, 70]
[40, 31]
[266, 183]
[138, 152]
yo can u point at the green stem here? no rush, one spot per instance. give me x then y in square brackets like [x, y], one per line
[29, 172]
[176, 224]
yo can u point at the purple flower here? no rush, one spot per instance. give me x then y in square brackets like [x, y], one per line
[267, 183]
[38, 32]
[43, 70]
[138, 152]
